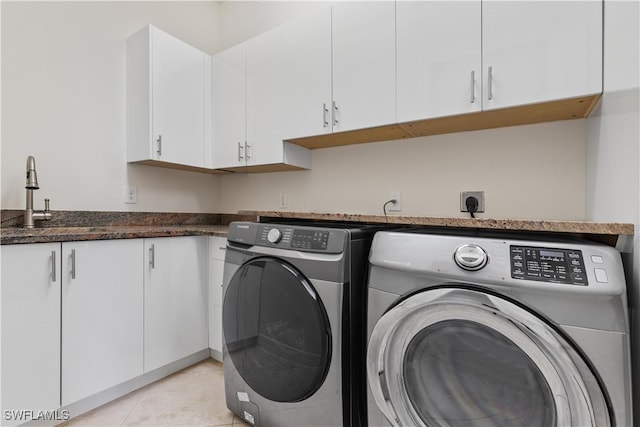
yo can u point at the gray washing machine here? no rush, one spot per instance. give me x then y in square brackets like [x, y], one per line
[496, 330]
[294, 323]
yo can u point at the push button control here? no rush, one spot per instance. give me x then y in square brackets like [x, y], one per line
[601, 275]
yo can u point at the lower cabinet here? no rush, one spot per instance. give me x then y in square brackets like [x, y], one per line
[102, 321]
[78, 318]
[175, 299]
[30, 368]
[217, 248]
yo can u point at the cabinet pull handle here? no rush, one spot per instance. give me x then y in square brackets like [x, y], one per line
[325, 111]
[53, 266]
[159, 151]
[222, 248]
[73, 263]
[335, 113]
[473, 86]
[246, 150]
[152, 256]
[240, 152]
[490, 84]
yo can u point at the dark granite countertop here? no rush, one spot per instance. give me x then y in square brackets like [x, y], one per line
[17, 235]
[619, 235]
[132, 225]
[67, 226]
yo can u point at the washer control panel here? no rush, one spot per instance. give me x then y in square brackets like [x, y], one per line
[308, 239]
[548, 265]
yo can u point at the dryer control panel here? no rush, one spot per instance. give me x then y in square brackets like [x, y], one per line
[548, 265]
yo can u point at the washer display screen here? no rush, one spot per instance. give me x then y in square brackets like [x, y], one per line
[548, 265]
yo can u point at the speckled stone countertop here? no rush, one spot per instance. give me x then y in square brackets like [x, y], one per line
[614, 234]
[67, 226]
[84, 225]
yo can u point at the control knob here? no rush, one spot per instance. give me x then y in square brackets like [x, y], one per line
[470, 257]
[274, 235]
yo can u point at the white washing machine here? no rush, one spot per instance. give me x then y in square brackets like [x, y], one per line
[496, 330]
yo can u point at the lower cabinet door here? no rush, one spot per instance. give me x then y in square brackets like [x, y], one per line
[175, 299]
[30, 371]
[102, 316]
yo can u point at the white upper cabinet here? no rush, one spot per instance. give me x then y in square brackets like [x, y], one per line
[30, 328]
[364, 68]
[306, 74]
[229, 107]
[530, 51]
[168, 100]
[263, 70]
[248, 108]
[438, 58]
[540, 50]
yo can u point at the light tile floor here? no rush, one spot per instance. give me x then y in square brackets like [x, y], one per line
[193, 397]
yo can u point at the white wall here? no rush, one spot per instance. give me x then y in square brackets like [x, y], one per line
[534, 172]
[241, 20]
[63, 101]
[613, 154]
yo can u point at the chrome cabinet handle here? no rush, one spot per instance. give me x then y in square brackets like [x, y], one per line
[335, 113]
[152, 256]
[73, 263]
[325, 111]
[240, 157]
[490, 83]
[53, 266]
[246, 150]
[159, 140]
[473, 86]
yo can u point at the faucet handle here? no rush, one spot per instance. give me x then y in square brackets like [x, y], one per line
[46, 205]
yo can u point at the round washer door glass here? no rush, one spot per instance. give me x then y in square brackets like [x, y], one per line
[462, 370]
[462, 357]
[276, 330]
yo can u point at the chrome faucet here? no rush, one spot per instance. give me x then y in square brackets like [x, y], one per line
[31, 216]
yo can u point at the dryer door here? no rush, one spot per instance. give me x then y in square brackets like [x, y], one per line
[276, 330]
[460, 357]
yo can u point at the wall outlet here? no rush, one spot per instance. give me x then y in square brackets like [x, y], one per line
[283, 200]
[466, 194]
[397, 206]
[130, 194]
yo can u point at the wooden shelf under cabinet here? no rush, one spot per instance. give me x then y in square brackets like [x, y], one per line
[566, 109]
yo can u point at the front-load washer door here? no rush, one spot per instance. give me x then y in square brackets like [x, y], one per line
[276, 330]
[462, 357]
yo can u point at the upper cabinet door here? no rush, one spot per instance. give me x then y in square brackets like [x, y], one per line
[168, 100]
[229, 108]
[178, 75]
[540, 50]
[364, 71]
[263, 62]
[438, 58]
[306, 74]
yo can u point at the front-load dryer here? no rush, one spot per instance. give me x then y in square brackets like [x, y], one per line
[496, 330]
[294, 323]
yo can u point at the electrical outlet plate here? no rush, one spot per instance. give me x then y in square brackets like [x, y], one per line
[397, 206]
[130, 194]
[477, 194]
[283, 200]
